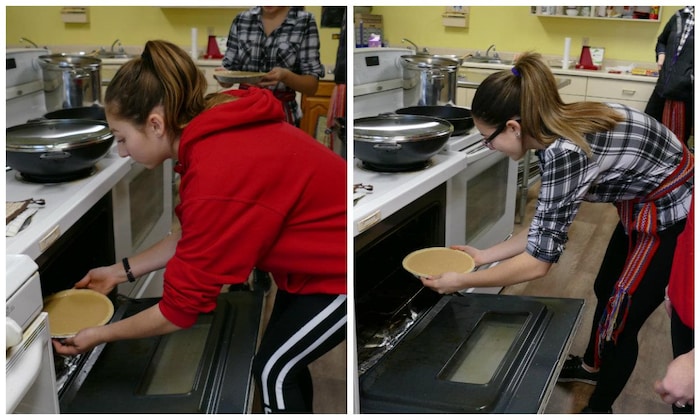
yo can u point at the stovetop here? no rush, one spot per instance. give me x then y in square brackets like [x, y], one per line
[66, 202]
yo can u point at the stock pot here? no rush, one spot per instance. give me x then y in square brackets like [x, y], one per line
[429, 80]
[57, 150]
[71, 81]
[395, 142]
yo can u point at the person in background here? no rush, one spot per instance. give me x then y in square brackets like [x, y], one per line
[678, 385]
[255, 191]
[283, 42]
[671, 102]
[597, 152]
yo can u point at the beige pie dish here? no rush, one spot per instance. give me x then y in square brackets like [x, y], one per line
[437, 260]
[72, 310]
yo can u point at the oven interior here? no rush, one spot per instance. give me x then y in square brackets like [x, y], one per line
[388, 299]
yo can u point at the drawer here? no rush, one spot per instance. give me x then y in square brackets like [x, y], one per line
[619, 89]
[577, 87]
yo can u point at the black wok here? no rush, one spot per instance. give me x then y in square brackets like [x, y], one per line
[83, 113]
[57, 150]
[459, 117]
[392, 142]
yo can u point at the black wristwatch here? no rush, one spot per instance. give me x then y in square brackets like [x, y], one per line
[127, 268]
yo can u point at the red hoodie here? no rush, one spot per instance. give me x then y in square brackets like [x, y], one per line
[255, 191]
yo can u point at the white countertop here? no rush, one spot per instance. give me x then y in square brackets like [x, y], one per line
[569, 72]
[66, 202]
[393, 191]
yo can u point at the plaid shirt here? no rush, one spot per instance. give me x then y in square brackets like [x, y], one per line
[294, 45]
[627, 163]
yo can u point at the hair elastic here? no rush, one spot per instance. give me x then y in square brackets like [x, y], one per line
[515, 71]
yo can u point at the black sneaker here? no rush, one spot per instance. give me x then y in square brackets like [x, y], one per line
[573, 371]
[589, 410]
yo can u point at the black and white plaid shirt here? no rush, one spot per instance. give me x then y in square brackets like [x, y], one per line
[294, 45]
[627, 163]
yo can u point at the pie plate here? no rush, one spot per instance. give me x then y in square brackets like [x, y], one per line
[234, 76]
[72, 310]
[437, 260]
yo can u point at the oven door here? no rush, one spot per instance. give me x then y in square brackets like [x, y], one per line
[203, 369]
[143, 209]
[477, 353]
[481, 198]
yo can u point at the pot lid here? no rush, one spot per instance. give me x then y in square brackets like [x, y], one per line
[69, 61]
[61, 134]
[400, 128]
[429, 62]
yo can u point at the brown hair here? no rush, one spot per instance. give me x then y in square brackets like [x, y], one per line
[163, 75]
[529, 91]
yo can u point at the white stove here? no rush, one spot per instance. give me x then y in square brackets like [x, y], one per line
[65, 202]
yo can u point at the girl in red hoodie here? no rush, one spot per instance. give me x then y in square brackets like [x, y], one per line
[255, 191]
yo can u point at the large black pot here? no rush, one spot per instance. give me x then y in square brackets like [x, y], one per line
[460, 118]
[399, 142]
[83, 113]
[57, 150]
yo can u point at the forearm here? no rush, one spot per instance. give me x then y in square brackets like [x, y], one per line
[518, 269]
[307, 84]
[507, 249]
[155, 257]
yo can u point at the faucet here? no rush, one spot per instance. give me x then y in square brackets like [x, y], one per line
[111, 49]
[495, 54]
[29, 41]
[404, 40]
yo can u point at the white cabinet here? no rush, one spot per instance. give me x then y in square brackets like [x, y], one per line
[212, 85]
[574, 91]
[107, 72]
[630, 93]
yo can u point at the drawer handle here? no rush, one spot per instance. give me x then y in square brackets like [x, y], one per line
[628, 92]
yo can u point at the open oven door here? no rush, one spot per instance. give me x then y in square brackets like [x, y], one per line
[203, 369]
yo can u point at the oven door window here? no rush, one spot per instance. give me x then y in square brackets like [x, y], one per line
[478, 359]
[486, 199]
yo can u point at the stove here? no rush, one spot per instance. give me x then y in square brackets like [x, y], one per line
[65, 203]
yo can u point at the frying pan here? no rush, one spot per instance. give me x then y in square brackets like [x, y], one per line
[84, 113]
[460, 118]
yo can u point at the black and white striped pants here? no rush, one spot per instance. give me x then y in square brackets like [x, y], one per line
[301, 329]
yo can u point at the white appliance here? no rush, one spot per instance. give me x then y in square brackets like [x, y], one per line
[24, 85]
[30, 379]
[143, 214]
[378, 80]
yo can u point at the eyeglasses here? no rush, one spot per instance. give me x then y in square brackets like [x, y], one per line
[486, 141]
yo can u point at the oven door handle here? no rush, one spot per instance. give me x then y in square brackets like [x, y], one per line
[22, 377]
[478, 152]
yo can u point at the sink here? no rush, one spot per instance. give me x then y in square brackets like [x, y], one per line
[487, 60]
[113, 55]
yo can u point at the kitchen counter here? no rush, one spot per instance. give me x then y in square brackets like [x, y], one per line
[66, 202]
[393, 191]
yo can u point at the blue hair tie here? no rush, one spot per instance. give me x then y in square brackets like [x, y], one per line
[515, 71]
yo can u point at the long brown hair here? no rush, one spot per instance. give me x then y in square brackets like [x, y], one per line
[163, 75]
[529, 91]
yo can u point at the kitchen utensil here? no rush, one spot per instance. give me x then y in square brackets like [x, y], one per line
[71, 81]
[75, 309]
[235, 76]
[437, 260]
[57, 150]
[460, 118]
[429, 80]
[399, 142]
[212, 48]
[85, 112]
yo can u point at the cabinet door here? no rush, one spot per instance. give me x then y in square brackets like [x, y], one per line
[315, 109]
[632, 93]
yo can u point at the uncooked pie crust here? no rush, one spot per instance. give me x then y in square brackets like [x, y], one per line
[437, 260]
[72, 310]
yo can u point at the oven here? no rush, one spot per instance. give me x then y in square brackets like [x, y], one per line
[143, 215]
[24, 85]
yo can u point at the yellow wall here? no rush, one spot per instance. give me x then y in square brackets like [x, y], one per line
[135, 25]
[513, 29]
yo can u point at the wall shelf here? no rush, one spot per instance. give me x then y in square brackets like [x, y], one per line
[648, 14]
